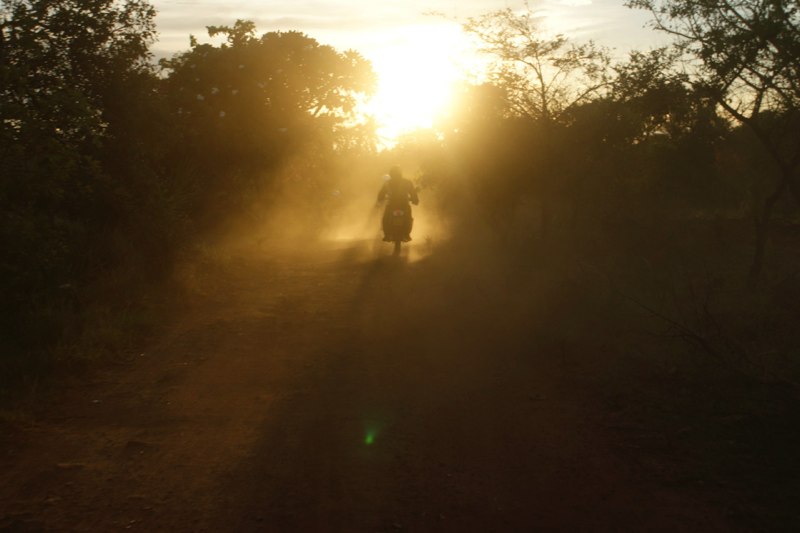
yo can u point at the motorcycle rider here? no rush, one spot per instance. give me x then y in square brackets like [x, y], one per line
[399, 191]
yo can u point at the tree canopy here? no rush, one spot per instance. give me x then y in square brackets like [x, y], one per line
[543, 76]
[746, 54]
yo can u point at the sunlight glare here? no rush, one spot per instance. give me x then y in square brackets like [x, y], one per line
[417, 71]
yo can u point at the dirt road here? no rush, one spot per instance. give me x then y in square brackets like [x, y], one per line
[336, 389]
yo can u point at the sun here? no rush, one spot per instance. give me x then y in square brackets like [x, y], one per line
[417, 70]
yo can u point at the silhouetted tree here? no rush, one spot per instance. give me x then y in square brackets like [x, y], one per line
[251, 103]
[746, 53]
[676, 122]
[61, 65]
[542, 77]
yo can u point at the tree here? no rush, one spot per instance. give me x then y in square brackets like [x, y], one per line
[746, 54]
[543, 78]
[281, 75]
[59, 58]
[252, 104]
[61, 67]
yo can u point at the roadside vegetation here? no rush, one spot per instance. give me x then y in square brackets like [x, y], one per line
[657, 195]
[112, 167]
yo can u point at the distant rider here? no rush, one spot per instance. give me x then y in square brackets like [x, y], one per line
[399, 191]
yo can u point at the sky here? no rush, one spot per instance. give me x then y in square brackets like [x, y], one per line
[402, 39]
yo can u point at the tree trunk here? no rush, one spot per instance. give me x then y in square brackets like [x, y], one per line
[762, 224]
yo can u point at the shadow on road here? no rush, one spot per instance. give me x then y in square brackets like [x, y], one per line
[422, 402]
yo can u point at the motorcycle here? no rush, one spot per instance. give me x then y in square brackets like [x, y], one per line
[397, 224]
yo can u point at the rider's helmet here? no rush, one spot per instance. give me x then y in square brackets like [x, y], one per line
[395, 172]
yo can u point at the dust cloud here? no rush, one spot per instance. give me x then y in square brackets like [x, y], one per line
[320, 213]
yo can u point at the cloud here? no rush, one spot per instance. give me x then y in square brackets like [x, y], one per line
[353, 24]
[352, 15]
[361, 24]
[176, 20]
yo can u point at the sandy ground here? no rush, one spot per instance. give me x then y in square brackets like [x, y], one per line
[336, 388]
